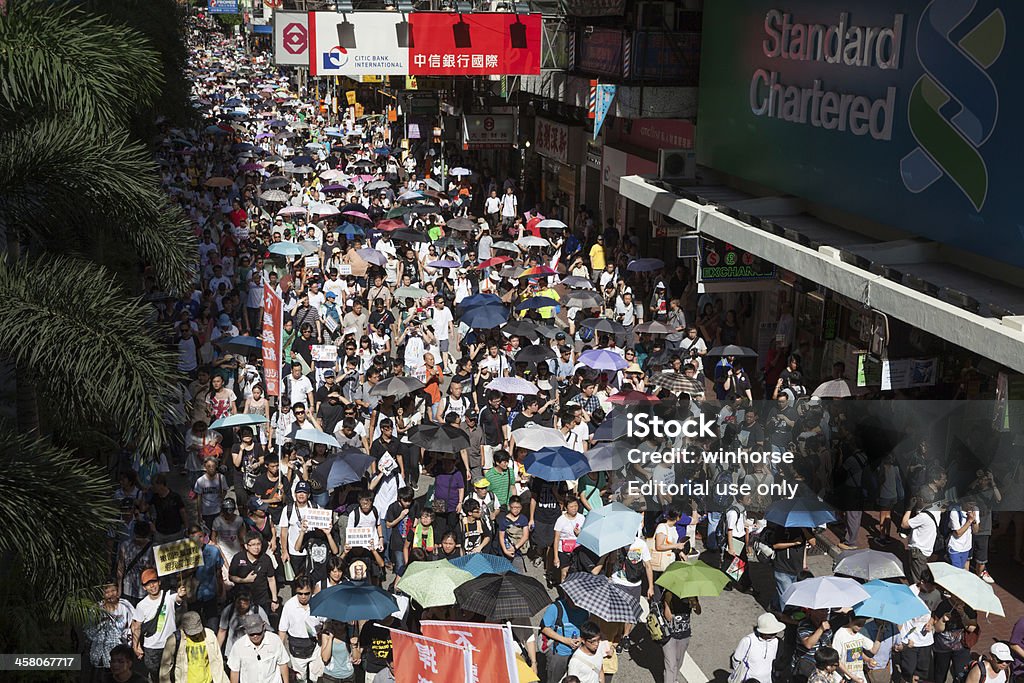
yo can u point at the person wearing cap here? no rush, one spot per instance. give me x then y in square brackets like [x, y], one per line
[154, 620]
[228, 530]
[194, 655]
[290, 527]
[259, 657]
[330, 317]
[225, 329]
[481, 494]
[992, 667]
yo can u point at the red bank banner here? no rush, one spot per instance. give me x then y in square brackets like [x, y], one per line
[272, 324]
[490, 645]
[449, 44]
[420, 659]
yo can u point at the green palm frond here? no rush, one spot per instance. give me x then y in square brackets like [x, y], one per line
[66, 321]
[55, 172]
[57, 58]
[54, 510]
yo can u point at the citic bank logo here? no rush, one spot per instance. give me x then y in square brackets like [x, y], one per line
[335, 58]
[949, 141]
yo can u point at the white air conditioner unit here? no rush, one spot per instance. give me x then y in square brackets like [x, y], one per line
[689, 247]
[656, 15]
[677, 164]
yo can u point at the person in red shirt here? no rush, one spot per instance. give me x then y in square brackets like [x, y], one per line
[238, 215]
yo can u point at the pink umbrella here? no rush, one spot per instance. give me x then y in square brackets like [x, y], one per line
[364, 177]
[291, 211]
[356, 214]
[252, 167]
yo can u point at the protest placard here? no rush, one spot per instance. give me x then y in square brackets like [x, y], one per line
[361, 537]
[177, 556]
[325, 353]
[317, 518]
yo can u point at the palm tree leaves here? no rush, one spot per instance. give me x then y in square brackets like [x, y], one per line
[53, 171]
[101, 361]
[54, 510]
[58, 59]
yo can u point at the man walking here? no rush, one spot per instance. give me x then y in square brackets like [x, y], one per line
[193, 655]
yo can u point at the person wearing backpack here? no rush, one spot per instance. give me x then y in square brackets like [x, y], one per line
[155, 621]
[959, 525]
[289, 528]
[193, 654]
[718, 501]
[560, 627]
[734, 537]
[923, 525]
[629, 568]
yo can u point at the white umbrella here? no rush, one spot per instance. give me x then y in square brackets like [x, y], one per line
[513, 385]
[292, 211]
[531, 241]
[834, 388]
[432, 184]
[968, 587]
[824, 592]
[322, 209]
[535, 438]
[316, 436]
[459, 171]
[868, 564]
[333, 174]
[553, 223]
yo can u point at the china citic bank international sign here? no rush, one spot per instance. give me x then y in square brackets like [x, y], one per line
[896, 111]
[424, 44]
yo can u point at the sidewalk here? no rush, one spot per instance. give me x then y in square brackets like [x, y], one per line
[1009, 577]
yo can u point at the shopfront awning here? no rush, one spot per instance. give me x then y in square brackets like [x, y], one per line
[904, 278]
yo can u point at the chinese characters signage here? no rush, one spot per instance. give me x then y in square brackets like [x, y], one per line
[177, 556]
[600, 52]
[419, 659]
[222, 6]
[272, 323]
[484, 131]
[552, 140]
[655, 134]
[445, 44]
[490, 646]
[479, 44]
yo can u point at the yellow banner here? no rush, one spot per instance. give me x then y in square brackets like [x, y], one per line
[350, 95]
[373, 79]
[410, 83]
[177, 556]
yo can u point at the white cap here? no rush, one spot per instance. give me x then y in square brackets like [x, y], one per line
[1001, 651]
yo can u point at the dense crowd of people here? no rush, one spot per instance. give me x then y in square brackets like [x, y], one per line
[453, 386]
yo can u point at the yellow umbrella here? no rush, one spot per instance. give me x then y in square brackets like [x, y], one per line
[526, 674]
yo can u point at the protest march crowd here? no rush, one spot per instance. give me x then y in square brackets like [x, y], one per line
[405, 436]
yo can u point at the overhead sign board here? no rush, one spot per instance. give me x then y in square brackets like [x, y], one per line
[897, 111]
[222, 6]
[424, 44]
[291, 39]
[483, 131]
[723, 262]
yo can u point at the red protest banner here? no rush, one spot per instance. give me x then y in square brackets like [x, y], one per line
[478, 44]
[490, 647]
[272, 324]
[420, 659]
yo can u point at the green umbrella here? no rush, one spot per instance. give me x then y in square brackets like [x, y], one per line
[433, 584]
[692, 579]
[410, 293]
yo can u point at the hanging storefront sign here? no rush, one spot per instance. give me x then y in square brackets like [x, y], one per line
[909, 373]
[904, 106]
[720, 261]
[600, 52]
[551, 139]
[603, 103]
[483, 44]
[487, 131]
[655, 134]
[291, 39]
[666, 57]
[364, 43]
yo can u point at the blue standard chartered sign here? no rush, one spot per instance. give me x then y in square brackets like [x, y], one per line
[841, 43]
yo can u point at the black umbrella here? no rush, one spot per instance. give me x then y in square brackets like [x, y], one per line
[409, 236]
[362, 163]
[446, 242]
[302, 159]
[500, 597]
[535, 353]
[276, 183]
[605, 325]
[461, 223]
[521, 328]
[441, 438]
[732, 350]
[396, 386]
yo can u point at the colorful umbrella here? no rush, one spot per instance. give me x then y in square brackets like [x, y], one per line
[804, 512]
[285, 249]
[892, 602]
[493, 261]
[239, 420]
[485, 317]
[537, 271]
[692, 579]
[602, 359]
[478, 564]
[316, 436]
[433, 584]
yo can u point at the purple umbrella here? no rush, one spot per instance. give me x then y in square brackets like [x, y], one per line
[333, 188]
[603, 359]
[445, 263]
[373, 256]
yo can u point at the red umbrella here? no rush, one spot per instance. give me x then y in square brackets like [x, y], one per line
[356, 214]
[633, 398]
[537, 271]
[389, 225]
[491, 262]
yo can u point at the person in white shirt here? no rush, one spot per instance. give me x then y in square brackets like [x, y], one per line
[854, 650]
[291, 524]
[298, 386]
[757, 651]
[444, 327]
[924, 528]
[259, 657]
[587, 662]
[316, 297]
[298, 632]
[509, 208]
[963, 522]
[492, 207]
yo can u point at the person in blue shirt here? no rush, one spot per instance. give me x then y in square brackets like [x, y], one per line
[208, 579]
[560, 623]
[723, 377]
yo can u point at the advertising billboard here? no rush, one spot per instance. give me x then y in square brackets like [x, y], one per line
[479, 44]
[364, 43]
[897, 111]
[291, 39]
[222, 6]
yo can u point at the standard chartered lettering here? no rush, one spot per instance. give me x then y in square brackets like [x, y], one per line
[842, 44]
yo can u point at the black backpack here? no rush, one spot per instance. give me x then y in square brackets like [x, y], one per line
[632, 571]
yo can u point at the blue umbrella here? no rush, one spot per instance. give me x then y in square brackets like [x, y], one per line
[892, 602]
[485, 317]
[603, 359]
[445, 263]
[615, 426]
[535, 302]
[285, 249]
[804, 512]
[609, 528]
[277, 123]
[344, 469]
[216, 130]
[316, 436]
[484, 563]
[349, 230]
[352, 602]
[302, 159]
[382, 150]
[241, 343]
[240, 420]
[482, 299]
[556, 464]
[233, 102]
[334, 132]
